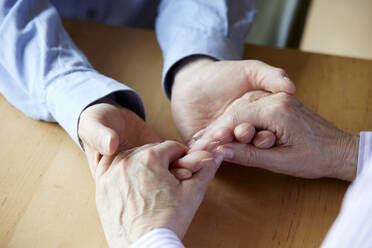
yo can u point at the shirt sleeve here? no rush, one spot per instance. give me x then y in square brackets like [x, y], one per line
[353, 226]
[159, 238]
[43, 74]
[214, 28]
[365, 150]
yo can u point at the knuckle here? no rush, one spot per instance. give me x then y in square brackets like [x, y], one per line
[148, 155]
[281, 72]
[277, 107]
[256, 62]
[124, 162]
[249, 67]
[284, 97]
[233, 118]
[281, 104]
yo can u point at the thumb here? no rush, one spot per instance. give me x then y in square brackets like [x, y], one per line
[269, 78]
[98, 136]
[103, 166]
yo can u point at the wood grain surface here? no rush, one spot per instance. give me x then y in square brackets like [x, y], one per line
[47, 193]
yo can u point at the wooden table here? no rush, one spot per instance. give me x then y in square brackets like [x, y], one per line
[339, 27]
[47, 193]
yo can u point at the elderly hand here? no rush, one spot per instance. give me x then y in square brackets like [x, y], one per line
[306, 144]
[204, 89]
[105, 128]
[136, 193]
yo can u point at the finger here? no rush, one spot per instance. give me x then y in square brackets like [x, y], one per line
[273, 159]
[104, 139]
[269, 78]
[197, 136]
[227, 122]
[244, 133]
[181, 174]
[256, 113]
[264, 139]
[93, 157]
[103, 165]
[220, 135]
[170, 151]
[193, 161]
[254, 95]
[199, 181]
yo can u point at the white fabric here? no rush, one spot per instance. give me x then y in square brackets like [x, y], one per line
[353, 226]
[157, 238]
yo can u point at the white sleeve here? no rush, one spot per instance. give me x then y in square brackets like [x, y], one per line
[353, 226]
[159, 238]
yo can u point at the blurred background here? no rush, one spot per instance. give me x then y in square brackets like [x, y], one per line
[337, 27]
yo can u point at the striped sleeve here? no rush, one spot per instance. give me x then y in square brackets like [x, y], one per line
[159, 238]
[365, 150]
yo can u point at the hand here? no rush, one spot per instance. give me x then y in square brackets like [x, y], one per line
[106, 128]
[306, 144]
[136, 192]
[205, 88]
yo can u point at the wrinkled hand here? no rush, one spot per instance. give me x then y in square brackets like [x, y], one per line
[306, 144]
[106, 128]
[136, 193]
[204, 89]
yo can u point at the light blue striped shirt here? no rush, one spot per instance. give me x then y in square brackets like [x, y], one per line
[44, 75]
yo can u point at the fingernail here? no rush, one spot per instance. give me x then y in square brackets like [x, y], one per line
[218, 157]
[227, 152]
[261, 144]
[186, 176]
[106, 144]
[203, 144]
[198, 134]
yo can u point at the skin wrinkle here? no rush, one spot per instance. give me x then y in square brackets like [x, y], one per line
[311, 146]
[230, 81]
[140, 204]
[118, 204]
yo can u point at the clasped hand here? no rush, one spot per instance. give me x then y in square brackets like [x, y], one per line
[243, 112]
[241, 108]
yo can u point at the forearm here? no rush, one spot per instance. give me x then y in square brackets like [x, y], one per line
[44, 74]
[215, 29]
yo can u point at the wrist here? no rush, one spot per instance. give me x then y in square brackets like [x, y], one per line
[109, 99]
[347, 157]
[187, 69]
